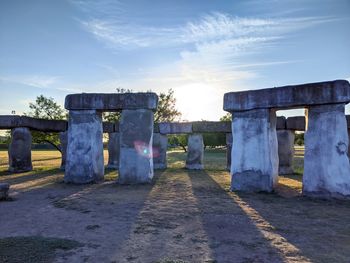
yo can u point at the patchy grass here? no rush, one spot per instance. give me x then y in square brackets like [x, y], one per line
[33, 249]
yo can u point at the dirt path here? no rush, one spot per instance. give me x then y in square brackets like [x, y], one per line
[183, 215]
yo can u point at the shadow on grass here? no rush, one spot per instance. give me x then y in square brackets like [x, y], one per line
[17, 178]
[234, 235]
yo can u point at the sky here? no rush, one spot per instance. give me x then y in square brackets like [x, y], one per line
[200, 49]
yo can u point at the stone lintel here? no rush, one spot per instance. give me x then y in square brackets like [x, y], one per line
[175, 127]
[296, 123]
[294, 96]
[111, 101]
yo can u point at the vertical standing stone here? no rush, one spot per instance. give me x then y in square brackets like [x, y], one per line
[255, 150]
[228, 150]
[195, 152]
[285, 151]
[113, 150]
[136, 138]
[20, 155]
[160, 145]
[63, 143]
[326, 163]
[84, 163]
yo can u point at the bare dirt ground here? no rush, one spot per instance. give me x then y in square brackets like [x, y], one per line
[183, 216]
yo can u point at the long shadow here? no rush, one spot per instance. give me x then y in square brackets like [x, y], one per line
[236, 234]
[319, 228]
[17, 178]
[46, 159]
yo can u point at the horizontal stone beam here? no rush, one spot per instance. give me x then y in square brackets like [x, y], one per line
[111, 101]
[175, 127]
[15, 121]
[108, 127]
[211, 126]
[303, 95]
[296, 123]
[281, 123]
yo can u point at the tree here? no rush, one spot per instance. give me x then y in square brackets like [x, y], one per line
[226, 117]
[166, 110]
[46, 108]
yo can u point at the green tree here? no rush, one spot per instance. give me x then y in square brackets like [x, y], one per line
[226, 117]
[166, 110]
[46, 108]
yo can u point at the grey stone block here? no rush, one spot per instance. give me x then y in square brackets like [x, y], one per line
[328, 92]
[4, 190]
[136, 156]
[254, 165]
[111, 101]
[20, 156]
[285, 151]
[211, 126]
[326, 162]
[296, 123]
[175, 127]
[84, 162]
[195, 152]
[108, 127]
[160, 145]
[281, 123]
[63, 145]
[228, 150]
[113, 150]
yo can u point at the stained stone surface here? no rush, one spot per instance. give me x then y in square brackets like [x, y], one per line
[211, 126]
[136, 156]
[254, 161]
[228, 150]
[108, 127]
[296, 123]
[328, 92]
[326, 162]
[281, 123]
[113, 150]
[111, 101]
[160, 145]
[285, 151]
[195, 152]
[84, 163]
[4, 190]
[63, 142]
[20, 156]
[175, 127]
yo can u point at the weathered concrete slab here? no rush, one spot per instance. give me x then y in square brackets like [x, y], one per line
[326, 163]
[328, 92]
[136, 156]
[111, 101]
[160, 145]
[84, 163]
[195, 152]
[254, 165]
[175, 127]
[108, 127]
[113, 150]
[4, 190]
[285, 151]
[20, 156]
[296, 123]
[63, 145]
[228, 150]
[281, 123]
[14, 121]
[211, 126]
[156, 128]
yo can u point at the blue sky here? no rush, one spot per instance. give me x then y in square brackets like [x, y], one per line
[200, 49]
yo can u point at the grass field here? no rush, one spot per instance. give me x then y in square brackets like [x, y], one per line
[183, 216]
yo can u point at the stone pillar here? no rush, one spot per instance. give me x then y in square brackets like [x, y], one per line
[195, 152]
[113, 150]
[84, 163]
[228, 150]
[20, 155]
[326, 163]
[285, 151]
[160, 145]
[63, 142]
[255, 150]
[136, 138]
